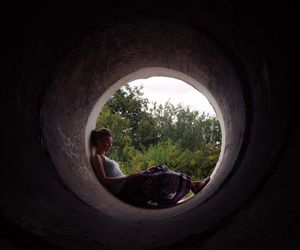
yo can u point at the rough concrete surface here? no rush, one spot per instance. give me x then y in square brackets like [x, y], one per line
[59, 59]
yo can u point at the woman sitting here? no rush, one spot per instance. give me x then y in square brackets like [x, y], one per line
[155, 187]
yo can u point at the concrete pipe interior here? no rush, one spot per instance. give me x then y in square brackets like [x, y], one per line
[62, 72]
[72, 104]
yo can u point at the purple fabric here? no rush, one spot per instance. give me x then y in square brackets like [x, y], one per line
[156, 187]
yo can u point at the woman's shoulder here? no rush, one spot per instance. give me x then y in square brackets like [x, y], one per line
[97, 157]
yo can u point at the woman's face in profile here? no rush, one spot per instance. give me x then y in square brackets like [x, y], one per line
[107, 144]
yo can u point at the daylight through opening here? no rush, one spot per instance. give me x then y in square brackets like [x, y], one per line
[163, 122]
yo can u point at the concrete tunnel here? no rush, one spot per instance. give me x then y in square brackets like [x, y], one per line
[60, 63]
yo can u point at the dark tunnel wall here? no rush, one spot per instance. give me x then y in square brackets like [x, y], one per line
[40, 211]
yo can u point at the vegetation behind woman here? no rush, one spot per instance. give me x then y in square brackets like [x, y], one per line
[184, 140]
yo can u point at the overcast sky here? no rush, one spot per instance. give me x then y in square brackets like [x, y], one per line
[162, 89]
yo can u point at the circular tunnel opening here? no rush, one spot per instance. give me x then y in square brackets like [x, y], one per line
[72, 104]
[243, 54]
[162, 121]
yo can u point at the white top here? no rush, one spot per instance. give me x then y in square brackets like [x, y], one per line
[112, 169]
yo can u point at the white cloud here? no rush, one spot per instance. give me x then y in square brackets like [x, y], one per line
[162, 89]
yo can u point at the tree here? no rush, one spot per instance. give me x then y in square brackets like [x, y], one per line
[119, 126]
[181, 124]
[183, 139]
[129, 103]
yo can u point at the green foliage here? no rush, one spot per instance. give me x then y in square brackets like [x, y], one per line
[130, 104]
[119, 126]
[175, 136]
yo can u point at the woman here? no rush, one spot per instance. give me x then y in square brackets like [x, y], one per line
[156, 187]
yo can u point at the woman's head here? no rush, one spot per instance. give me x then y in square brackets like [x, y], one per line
[102, 138]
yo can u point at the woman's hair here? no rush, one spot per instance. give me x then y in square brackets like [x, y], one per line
[99, 135]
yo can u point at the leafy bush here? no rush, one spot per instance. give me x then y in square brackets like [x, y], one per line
[182, 139]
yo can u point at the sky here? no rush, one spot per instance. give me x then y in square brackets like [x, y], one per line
[163, 89]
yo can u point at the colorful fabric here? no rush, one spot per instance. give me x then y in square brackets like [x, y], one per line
[156, 187]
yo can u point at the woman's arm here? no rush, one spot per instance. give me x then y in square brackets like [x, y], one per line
[98, 167]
